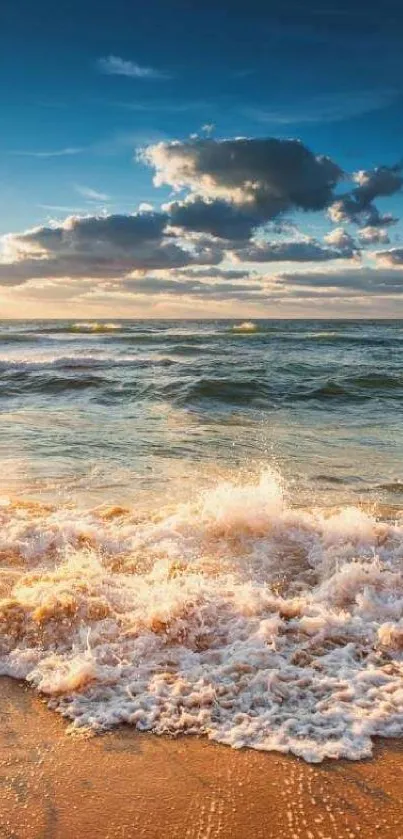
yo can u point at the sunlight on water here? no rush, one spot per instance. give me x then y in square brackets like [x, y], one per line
[205, 535]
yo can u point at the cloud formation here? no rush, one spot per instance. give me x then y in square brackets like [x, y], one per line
[66, 152]
[335, 107]
[235, 204]
[99, 246]
[358, 206]
[113, 65]
[361, 280]
[218, 218]
[394, 256]
[264, 177]
[306, 251]
[91, 194]
[339, 238]
[189, 286]
[373, 236]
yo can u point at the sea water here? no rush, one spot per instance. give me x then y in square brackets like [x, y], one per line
[202, 527]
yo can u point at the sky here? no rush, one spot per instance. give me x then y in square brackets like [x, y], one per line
[201, 159]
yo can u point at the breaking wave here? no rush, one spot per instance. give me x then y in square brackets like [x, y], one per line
[246, 326]
[236, 616]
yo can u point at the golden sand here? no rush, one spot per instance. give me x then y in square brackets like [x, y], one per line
[139, 786]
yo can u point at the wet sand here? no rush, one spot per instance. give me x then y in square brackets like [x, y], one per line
[126, 784]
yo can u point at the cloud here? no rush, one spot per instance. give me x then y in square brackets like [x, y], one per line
[373, 235]
[60, 208]
[306, 251]
[325, 108]
[235, 194]
[115, 66]
[394, 256]
[163, 106]
[218, 218]
[263, 177]
[100, 246]
[67, 152]
[91, 194]
[222, 273]
[342, 240]
[358, 207]
[157, 285]
[372, 281]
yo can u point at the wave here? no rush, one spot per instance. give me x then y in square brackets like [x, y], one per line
[392, 487]
[43, 383]
[221, 390]
[234, 616]
[91, 326]
[246, 327]
[285, 387]
[354, 387]
[77, 362]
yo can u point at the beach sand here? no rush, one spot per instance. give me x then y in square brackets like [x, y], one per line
[126, 784]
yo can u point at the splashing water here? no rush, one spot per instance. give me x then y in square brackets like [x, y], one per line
[246, 326]
[233, 616]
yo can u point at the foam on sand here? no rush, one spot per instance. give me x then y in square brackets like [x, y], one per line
[235, 615]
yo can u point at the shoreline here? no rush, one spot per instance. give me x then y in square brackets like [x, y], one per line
[128, 784]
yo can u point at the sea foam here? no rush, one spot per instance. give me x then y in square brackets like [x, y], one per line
[235, 615]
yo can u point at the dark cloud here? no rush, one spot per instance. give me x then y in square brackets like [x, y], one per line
[358, 207]
[236, 194]
[308, 251]
[119, 231]
[362, 280]
[235, 186]
[157, 285]
[263, 177]
[221, 273]
[100, 246]
[218, 218]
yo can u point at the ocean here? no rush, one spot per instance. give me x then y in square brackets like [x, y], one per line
[202, 527]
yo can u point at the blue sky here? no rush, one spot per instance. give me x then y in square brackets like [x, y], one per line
[85, 85]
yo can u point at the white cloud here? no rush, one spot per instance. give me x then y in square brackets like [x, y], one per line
[66, 152]
[91, 194]
[113, 65]
[373, 236]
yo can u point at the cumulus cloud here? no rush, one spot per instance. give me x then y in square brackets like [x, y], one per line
[339, 238]
[236, 193]
[264, 176]
[373, 236]
[358, 207]
[100, 246]
[113, 65]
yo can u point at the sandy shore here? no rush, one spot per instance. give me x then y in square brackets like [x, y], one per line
[127, 784]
